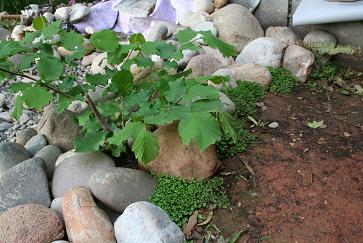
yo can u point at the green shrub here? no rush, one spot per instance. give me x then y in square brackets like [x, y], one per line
[245, 97]
[282, 80]
[328, 72]
[180, 198]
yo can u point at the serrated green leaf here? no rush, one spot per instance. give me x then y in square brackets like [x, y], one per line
[19, 86]
[10, 48]
[29, 37]
[90, 142]
[137, 38]
[108, 108]
[226, 49]
[198, 92]
[123, 82]
[71, 41]
[226, 123]
[206, 105]
[200, 127]
[51, 29]
[105, 40]
[63, 103]
[50, 68]
[27, 61]
[146, 146]
[39, 22]
[186, 35]
[130, 130]
[177, 89]
[18, 108]
[37, 97]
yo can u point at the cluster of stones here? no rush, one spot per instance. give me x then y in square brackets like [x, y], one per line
[49, 192]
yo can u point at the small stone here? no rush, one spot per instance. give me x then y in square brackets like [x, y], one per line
[23, 136]
[203, 6]
[145, 222]
[78, 11]
[30, 223]
[252, 72]
[299, 61]
[56, 206]
[62, 13]
[85, 222]
[220, 3]
[5, 126]
[49, 154]
[227, 103]
[24, 183]
[87, 60]
[11, 154]
[75, 169]
[49, 16]
[284, 35]
[18, 33]
[2, 98]
[263, 50]
[273, 125]
[118, 187]
[158, 32]
[4, 33]
[35, 144]
[5, 116]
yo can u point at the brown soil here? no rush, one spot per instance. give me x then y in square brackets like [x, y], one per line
[304, 184]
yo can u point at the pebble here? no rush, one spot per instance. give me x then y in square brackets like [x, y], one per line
[5, 126]
[23, 136]
[273, 125]
[35, 144]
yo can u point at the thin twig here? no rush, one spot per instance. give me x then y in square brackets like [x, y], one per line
[100, 119]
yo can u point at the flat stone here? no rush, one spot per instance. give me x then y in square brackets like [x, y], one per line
[30, 223]
[85, 222]
[118, 187]
[24, 183]
[23, 136]
[11, 154]
[134, 8]
[145, 222]
[49, 154]
[76, 169]
[35, 144]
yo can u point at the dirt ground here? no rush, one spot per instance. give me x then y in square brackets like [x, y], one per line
[300, 184]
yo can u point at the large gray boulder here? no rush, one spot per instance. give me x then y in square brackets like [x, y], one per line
[11, 154]
[145, 222]
[59, 129]
[75, 170]
[24, 183]
[272, 13]
[236, 25]
[117, 188]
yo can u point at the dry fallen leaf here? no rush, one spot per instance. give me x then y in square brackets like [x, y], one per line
[188, 227]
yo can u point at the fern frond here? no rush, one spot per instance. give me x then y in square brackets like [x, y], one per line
[330, 48]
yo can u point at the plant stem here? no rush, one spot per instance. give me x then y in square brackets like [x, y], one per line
[100, 119]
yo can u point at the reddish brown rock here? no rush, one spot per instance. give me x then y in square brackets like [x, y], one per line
[30, 223]
[85, 222]
[181, 160]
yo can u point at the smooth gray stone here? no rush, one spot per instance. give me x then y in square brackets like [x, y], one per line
[25, 183]
[11, 154]
[4, 33]
[49, 154]
[5, 126]
[56, 206]
[118, 187]
[145, 222]
[35, 144]
[272, 13]
[76, 170]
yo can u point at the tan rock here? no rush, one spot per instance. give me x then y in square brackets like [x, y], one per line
[252, 72]
[284, 35]
[220, 3]
[299, 61]
[85, 222]
[30, 223]
[181, 160]
[236, 25]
